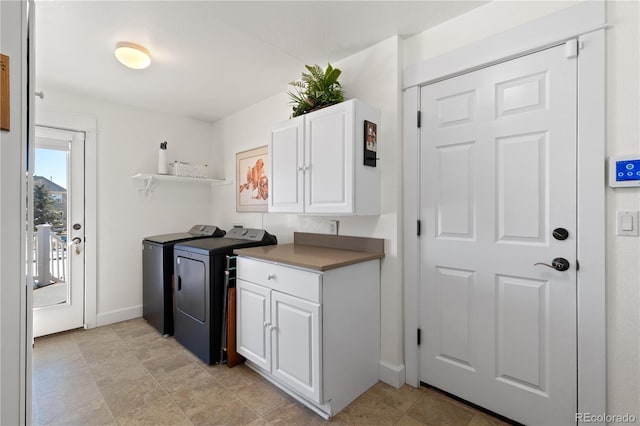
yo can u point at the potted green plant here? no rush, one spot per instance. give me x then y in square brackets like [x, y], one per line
[316, 89]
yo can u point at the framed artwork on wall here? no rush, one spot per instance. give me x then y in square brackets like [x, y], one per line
[252, 189]
[370, 143]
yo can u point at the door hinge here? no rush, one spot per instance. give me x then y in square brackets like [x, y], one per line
[419, 228]
[419, 119]
[419, 337]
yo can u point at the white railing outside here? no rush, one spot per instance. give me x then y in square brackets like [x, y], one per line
[50, 256]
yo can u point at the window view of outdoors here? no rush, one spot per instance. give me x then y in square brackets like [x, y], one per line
[51, 267]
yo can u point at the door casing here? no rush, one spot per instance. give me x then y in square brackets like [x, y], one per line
[586, 22]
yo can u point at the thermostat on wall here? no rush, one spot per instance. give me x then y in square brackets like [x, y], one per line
[624, 171]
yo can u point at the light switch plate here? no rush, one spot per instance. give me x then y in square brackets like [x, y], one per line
[627, 223]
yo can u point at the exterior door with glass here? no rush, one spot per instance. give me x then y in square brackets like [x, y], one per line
[58, 258]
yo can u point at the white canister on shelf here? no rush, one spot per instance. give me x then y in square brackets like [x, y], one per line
[163, 164]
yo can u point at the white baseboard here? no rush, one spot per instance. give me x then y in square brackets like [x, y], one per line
[106, 318]
[393, 375]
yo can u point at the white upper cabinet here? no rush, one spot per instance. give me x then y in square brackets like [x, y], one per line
[316, 163]
[286, 192]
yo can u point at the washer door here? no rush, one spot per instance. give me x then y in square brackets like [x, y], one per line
[191, 288]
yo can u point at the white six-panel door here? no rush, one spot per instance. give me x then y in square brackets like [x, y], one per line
[498, 175]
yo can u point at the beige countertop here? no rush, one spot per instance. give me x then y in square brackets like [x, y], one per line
[319, 252]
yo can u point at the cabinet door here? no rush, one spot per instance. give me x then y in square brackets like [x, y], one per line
[296, 344]
[253, 311]
[286, 184]
[329, 159]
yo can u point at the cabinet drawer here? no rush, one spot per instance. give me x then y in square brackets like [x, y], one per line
[288, 280]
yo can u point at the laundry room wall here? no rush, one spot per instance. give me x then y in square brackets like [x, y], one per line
[623, 253]
[623, 136]
[128, 141]
[373, 76]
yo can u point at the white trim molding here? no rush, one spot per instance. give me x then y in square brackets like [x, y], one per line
[592, 351]
[587, 21]
[87, 125]
[537, 35]
[393, 375]
[410, 243]
[119, 315]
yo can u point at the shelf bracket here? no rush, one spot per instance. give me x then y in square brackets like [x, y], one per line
[149, 186]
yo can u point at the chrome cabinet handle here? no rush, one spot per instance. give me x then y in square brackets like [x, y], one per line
[559, 264]
[271, 276]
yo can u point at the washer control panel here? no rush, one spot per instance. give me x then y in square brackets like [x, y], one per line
[624, 171]
[250, 234]
[206, 231]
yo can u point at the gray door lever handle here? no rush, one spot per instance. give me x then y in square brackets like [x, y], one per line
[559, 264]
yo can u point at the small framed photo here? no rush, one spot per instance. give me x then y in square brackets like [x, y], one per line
[370, 143]
[252, 189]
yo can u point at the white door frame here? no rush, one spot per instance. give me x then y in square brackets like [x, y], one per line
[586, 22]
[88, 126]
[49, 319]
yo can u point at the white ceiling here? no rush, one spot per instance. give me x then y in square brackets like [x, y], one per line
[212, 58]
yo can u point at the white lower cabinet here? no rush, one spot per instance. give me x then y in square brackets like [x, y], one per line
[253, 316]
[316, 335]
[295, 343]
[280, 334]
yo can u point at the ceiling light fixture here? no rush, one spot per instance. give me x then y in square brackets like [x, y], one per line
[132, 55]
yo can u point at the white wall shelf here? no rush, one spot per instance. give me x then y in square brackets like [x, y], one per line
[179, 178]
[150, 180]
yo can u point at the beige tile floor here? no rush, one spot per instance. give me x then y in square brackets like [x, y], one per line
[128, 374]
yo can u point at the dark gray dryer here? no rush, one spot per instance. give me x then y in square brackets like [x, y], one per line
[157, 273]
[199, 270]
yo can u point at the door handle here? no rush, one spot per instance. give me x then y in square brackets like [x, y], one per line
[76, 243]
[559, 264]
[179, 283]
